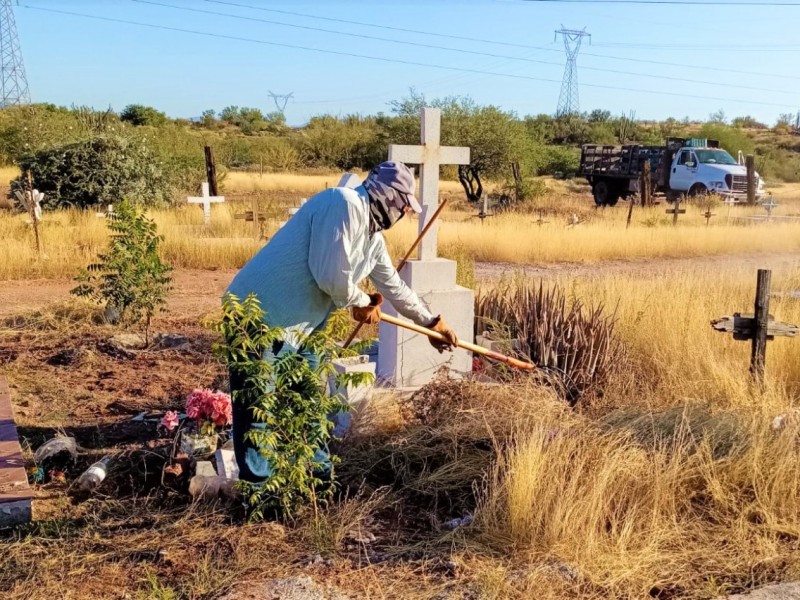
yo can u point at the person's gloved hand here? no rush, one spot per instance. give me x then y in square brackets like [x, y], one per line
[439, 325]
[369, 314]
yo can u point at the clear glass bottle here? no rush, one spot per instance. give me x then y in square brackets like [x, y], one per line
[94, 475]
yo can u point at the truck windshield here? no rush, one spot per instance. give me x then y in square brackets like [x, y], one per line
[715, 157]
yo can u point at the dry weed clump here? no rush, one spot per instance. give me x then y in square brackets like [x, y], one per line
[688, 504]
[576, 344]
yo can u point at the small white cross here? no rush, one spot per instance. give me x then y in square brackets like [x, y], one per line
[206, 200]
[430, 155]
[768, 206]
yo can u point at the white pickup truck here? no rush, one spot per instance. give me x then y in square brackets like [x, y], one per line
[681, 167]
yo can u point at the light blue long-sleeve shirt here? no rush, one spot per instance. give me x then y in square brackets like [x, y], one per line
[314, 263]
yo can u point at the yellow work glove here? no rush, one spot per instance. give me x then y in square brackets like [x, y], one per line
[369, 314]
[439, 325]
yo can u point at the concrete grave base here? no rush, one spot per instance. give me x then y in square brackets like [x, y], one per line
[405, 358]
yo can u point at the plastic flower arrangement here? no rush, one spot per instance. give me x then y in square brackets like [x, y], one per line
[210, 410]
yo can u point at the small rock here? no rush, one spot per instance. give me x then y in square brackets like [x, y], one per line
[128, 341]
[289, 588]
[458, 522]
[784, 591]
[204, 468]
[204, 488]
[362, 537]
[172, 340]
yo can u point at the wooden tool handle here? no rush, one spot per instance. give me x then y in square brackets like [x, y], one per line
[520, 364]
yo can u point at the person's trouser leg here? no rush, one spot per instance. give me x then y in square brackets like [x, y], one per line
[253, 465]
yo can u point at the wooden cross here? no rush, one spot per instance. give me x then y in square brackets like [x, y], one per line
[540, 221]
[676, 211]
[708, 214]
[31, 200]
[484, 211]
[206, 200]
[429, 155]
[758, 327]
[251, 216]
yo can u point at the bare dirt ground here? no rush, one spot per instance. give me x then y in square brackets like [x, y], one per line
[198, 291]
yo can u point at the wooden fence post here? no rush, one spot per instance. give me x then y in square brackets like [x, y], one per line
[751, 179]
[211, 171]
[761, 323]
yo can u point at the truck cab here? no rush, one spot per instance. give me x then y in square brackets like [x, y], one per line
[701, 170]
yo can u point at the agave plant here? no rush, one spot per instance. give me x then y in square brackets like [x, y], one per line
[564, 339]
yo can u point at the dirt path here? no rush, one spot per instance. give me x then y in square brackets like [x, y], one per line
[198, 291]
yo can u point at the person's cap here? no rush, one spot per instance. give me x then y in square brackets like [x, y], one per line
[398, 176]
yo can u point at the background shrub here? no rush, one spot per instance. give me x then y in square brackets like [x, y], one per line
[101, 170]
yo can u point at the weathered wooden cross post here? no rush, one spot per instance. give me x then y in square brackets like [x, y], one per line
[708, 214]
[750, 161]
[630, 212]
[677, 210]
[251, 216]
[206, 200]
[31, 200]
[758, 327]
[211, 171]
[645, 186]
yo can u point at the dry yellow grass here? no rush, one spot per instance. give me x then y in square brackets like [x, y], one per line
[72, 238]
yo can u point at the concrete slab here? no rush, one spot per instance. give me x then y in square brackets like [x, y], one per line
[15, 493]
[783, 591]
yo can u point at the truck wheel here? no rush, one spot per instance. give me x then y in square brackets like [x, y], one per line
[601, 192]
[698, 189]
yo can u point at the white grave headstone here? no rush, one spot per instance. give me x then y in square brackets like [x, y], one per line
[206, 200]
[406, 359]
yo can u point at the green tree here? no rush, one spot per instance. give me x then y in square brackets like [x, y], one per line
[289, 398]
[730, 138]
[138, 114]
[130, 277]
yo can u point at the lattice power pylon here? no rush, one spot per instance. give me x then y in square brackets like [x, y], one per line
[12, 71]
[281, 100]
[568, 101]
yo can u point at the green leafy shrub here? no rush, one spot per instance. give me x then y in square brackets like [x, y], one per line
[290, 398]
[137, 114]
[129, 278]
[101, 170]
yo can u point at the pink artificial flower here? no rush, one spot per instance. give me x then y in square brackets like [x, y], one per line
[204, 405]
[170, 420]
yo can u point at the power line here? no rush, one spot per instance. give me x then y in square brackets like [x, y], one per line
[389, 60]
[377, 26]
[497, 42]
[459, 50]
[692, 2]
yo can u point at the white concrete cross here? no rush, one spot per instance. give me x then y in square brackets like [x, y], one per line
[430, 155]
[206, 200]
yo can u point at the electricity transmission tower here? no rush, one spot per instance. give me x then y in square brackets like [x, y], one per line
[12, 71]
[281, 100]
[568, 98]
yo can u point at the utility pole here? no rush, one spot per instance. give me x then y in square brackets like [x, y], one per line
[281, 100]
[13, 83]
[568, 101]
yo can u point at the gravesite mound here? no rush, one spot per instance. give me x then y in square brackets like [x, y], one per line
[633, 455]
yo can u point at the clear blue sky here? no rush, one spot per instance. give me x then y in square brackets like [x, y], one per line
[77, 60]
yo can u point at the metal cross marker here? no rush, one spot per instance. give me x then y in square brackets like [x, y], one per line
[484, 212]
[430, 155]
[676, 211]
[540, 221]
[769, 206]
[758, 327]
[206, 200]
